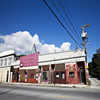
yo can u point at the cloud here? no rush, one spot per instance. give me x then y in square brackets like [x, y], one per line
[22, 42]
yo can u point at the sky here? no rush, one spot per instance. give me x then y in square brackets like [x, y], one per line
[27, 22]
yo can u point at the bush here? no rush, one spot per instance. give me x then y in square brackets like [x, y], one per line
[89, 82]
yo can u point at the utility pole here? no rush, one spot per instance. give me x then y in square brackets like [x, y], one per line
[84, 37]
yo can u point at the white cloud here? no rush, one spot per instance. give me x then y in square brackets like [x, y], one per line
[23, 41]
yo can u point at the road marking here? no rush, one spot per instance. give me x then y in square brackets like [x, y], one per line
[63, 97]
[13, 91]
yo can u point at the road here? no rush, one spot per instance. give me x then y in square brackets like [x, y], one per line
[20, 92]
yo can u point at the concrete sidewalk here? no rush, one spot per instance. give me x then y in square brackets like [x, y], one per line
[49, 85]
[56, 85]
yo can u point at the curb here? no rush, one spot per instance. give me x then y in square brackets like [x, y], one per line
[50, 85]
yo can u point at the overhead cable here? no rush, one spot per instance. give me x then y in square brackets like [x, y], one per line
[70, 15]
[62, 7]
[60, 22]
[64, 19]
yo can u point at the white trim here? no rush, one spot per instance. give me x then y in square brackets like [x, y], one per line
[31, 67]
[16, 66]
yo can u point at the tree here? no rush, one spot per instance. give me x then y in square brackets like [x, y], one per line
[96, 62]
[91, 70]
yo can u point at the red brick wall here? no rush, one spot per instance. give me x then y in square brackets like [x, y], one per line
[72, 80]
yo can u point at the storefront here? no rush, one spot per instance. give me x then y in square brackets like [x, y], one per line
[63, 67]
[28, 70]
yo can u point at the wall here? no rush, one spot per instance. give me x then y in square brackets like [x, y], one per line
[8, 52]
[61, 57]
[60, 67]
[3, 75]
[29, 60]
[7, 57]
[72, 80]
[0, 75]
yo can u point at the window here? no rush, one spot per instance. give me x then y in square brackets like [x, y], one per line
[44, 76]
[62, 75]
[1, 62]
[39, 68]
[52, 66]
[71, 74]
[9, 61]
[5, 62]
[57, 75]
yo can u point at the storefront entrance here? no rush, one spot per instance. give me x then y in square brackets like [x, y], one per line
[60, 77]
[82, 72]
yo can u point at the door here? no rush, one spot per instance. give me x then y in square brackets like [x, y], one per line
[82, 74]
[60, 77]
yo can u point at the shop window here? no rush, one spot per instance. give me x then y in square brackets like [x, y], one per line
[39, 68]
[44, 76]
[57, 75]
[25, 72]
[62, 75]
[71, 74]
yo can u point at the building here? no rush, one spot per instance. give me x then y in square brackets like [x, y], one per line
[28, 68]
[63, 67]
[6, 59]
[67, 67]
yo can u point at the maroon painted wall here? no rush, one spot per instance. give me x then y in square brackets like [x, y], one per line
[75, 79]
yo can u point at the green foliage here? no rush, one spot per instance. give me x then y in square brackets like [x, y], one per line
[94, 66]
[21, 55]
[96, 62]
[89, 82]
[91, 70]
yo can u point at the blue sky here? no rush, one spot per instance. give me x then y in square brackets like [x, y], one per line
[34, 20]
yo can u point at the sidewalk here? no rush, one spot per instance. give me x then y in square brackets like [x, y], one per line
[49, 85]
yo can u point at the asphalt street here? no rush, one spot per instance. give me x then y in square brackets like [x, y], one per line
[20, 92]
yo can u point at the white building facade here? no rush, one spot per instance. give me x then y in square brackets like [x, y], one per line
[6, 59]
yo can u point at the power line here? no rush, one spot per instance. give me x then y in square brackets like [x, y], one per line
[70, 15]
[81, 10]
[63, 18]
[60, 22]
[86, 11]
[62, 7]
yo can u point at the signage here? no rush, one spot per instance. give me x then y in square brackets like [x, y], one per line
[57, 76]
[37, 76]
[70, 68]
